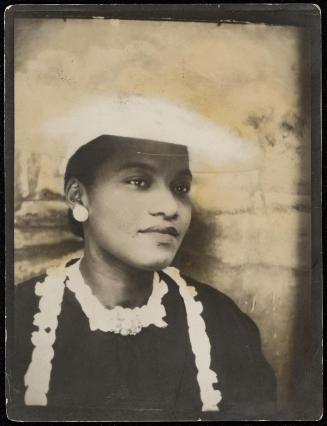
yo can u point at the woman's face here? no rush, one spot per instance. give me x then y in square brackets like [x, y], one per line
[139, 206]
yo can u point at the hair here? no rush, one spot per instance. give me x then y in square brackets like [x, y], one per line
[83, 165]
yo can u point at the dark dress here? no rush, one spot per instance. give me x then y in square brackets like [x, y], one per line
[105, 376]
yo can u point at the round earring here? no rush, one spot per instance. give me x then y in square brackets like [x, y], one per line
[80, 213]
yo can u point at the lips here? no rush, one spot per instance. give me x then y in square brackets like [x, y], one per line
[169, 230]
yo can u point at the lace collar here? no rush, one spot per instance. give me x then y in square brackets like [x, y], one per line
[51, 293]
[118, 320]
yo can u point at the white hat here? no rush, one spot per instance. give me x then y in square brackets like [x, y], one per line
[211, 147]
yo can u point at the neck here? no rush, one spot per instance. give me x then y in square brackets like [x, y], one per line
[113, 282]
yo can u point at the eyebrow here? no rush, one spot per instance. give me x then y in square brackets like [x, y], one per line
[141, 165]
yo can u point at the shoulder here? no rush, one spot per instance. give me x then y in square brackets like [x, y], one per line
[25, 291]
[211, 297]
[224, 319]
[214, 301]
[218, 308]
[25, 299]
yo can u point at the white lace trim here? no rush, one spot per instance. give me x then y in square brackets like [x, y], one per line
[37, 377]
[118, 319]
[200, 343]
[51, 290]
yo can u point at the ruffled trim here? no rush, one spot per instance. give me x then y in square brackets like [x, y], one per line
[51, 291]
[37, 377]
[106, 320]
[200, 343]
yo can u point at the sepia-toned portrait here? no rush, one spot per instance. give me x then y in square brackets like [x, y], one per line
[159, 180]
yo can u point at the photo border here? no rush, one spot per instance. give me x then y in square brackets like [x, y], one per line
[301, 15]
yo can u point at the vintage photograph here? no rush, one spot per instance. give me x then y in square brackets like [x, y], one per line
[162, 218]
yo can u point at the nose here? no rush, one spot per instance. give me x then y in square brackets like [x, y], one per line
[164, 204]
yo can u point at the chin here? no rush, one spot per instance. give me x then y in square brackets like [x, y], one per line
[156, 263]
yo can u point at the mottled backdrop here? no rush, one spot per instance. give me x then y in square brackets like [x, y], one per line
[250, 236]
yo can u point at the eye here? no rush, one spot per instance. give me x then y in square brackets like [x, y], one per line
[182, 188]
[139, 182]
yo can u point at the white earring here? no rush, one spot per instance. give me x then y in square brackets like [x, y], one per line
[80, 213]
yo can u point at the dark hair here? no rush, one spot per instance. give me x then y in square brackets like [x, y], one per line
[83, 165]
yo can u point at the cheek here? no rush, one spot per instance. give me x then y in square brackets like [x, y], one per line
[186, 215]
[117, 211]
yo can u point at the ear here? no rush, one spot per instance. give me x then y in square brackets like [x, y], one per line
[75, 193]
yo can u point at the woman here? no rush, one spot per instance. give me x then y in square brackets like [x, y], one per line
[119, 333]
